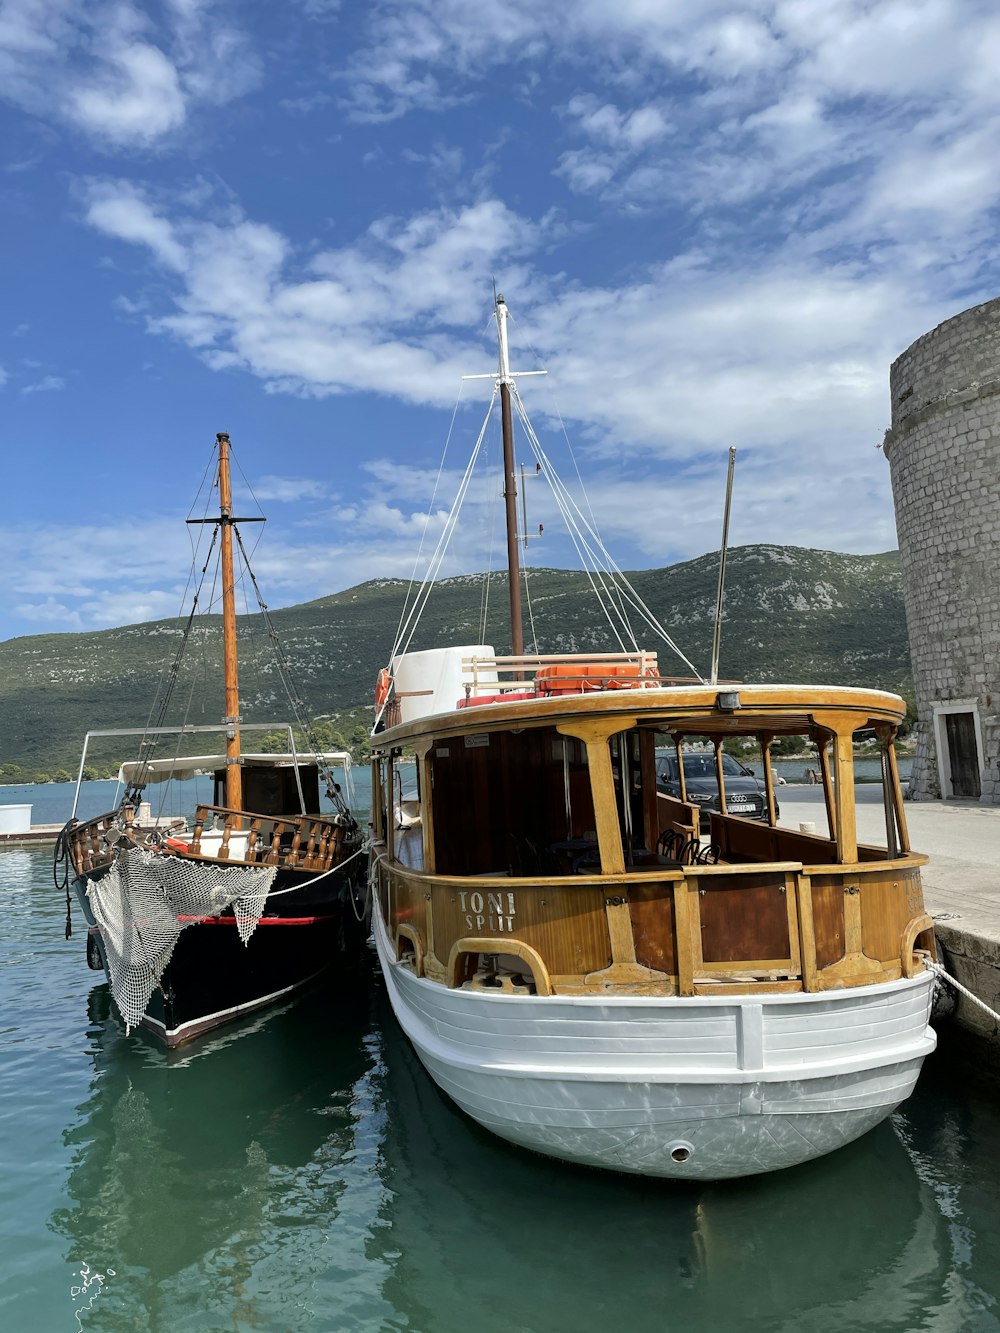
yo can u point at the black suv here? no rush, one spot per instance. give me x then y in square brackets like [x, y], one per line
[744, 790]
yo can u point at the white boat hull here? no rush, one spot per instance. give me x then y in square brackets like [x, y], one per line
[704, 1087]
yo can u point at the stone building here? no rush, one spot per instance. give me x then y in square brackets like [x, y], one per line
[944, 456]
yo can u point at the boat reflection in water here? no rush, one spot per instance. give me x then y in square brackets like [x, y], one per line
[487, 1237]
[191, 1167]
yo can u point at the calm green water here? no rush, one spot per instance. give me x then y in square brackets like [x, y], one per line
[302, 1173]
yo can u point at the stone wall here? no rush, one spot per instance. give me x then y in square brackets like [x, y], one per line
[944, 455]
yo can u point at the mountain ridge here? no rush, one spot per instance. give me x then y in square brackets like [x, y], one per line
[791, 614]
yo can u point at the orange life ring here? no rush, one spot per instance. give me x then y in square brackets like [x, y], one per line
[382, 684]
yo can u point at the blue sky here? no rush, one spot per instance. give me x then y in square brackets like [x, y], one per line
[715, 224]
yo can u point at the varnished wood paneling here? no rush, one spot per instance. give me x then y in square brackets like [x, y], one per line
[682, 816]
[886, 910]
[652, 911]
[828, 919]
[751, 840]
[410, 907]
[568, 926]
[748, 921]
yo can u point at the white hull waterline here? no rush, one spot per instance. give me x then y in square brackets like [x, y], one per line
[718, 1087]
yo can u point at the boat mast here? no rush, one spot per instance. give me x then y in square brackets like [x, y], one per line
[234, 778]
[509, 484]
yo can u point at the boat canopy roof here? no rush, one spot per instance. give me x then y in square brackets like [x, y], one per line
[707, 710]
[181, 767]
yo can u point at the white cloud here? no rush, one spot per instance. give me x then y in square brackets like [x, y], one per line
[607, 123]
[47, 384]
[123, 212]
[948, 181]
[136, 98]
[753, 100]
[373, 315]
[787, 357]
[288, 490]
[121, 73]
[50, 612]
[422, 50]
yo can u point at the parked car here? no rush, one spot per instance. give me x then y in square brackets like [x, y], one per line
[744, 790]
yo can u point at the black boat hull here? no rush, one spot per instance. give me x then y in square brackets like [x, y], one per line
[213, 978]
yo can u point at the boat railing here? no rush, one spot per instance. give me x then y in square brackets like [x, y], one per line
[91, 843]
[307, 842]
[493, 679]
[698, 929]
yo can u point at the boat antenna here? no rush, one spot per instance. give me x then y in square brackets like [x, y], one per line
[717, 635]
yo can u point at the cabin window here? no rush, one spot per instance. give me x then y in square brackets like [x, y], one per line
[511, 803]
[634, 778]
[380, 786]
[269, 790]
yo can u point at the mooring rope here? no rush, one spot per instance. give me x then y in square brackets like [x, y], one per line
[945, 975]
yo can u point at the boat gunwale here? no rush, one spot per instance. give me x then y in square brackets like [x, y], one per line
[652, 874]
[838, 996]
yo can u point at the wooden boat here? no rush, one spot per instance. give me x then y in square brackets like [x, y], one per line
[197, 926]
[586, 977]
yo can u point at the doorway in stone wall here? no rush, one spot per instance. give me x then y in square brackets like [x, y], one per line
[960, 730]
[959, 748]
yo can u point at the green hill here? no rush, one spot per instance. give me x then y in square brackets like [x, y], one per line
[791, 615]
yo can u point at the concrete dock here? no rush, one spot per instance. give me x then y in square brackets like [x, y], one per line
[39, 835]
[961, 888]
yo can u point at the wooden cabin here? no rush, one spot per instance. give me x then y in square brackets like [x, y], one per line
[544, 859]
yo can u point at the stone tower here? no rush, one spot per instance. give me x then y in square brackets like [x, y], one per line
[944, 455]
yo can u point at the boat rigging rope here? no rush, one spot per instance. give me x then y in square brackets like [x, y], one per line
[943, 974]
[566, 505]
[601, 559]
[437, 558]
[148, 744]
[589, 559]
[613, 590]
[493, 485]
[291, 688]
[365, 897]
[430, 511]
[404, 635]
[531, 610]
[169, 676]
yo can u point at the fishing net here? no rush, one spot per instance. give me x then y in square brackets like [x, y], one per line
[144, 902]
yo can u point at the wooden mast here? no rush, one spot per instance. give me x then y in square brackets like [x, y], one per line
[234, 777]
[509, 485]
